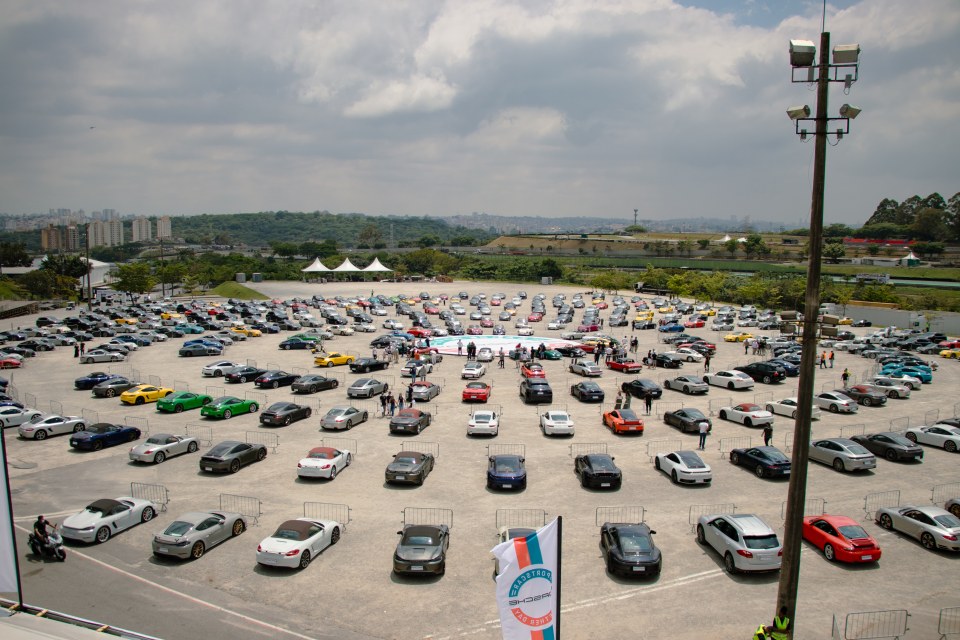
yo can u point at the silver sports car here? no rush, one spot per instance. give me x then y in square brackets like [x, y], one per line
[161, 446]
[191, 534]
[934, 527]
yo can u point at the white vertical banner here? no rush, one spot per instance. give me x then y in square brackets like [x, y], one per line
[528, 585]
[9, 576]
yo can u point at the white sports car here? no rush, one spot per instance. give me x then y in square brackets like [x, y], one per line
[15, 416]
[684, 467]
[472, 371]
[219, 368]
[747, 414]
[934, 527]
[730, 379]
[901, 379]
[52, 425]
[835, 402]
[296, 542]
[485, 354]
[525, 331]
[106, 517]
[939, 435]
[341, 330]
[364, 328]
[788, 407]
[891, 388]
[324, 462]
[483, 422]
[687, 354]
[393, 324]
[161, 446]
[556, 423]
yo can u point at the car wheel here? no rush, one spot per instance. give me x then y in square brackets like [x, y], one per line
[730, 386]
[275, 384]
[767, 379]
[160, 457]
[192, 447]
[867, 402]
[79, 427]
[138, 401]
[829, 553]
[656, 464]
[329, 364]
[955, 509]
[110, 393]
[673, 477]
[40, 435]
[253, 407]
[97, 445]
[103, 534]
[729, 564]
[147, 514]
[928, 542]
[723, 415]
[759, 471]
[286, 421]
[950, 446]
[838, 465]
[885, 521]
[234, 466]
[243, 378]
[304, 559]
[912, 437]
[197, 550]
[285, 347]
[238, 527]
[890, 455]
[834, 408]
[261, 454]
[701, 535]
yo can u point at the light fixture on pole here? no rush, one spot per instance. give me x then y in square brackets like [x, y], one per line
[845, 69]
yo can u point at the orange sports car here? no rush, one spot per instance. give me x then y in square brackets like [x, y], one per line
[623, 421]
[533, 370]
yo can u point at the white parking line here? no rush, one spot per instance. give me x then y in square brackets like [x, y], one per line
[594, 602]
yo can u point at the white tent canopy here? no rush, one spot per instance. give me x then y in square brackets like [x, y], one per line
[346, 267]
[316, 266]
[376, 265]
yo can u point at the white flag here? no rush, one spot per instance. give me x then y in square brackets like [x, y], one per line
[8, 568]
[527, 585]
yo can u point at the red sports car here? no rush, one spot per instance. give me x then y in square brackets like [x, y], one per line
[533, 370]
[588, 328]
[624, 364]
[535, 317]
[623, 421]
[10, 363]
[474, 330]
[477, 392]
[420, 332]
[486, 323]
[432, 310]
[841, 539]
[694, 323]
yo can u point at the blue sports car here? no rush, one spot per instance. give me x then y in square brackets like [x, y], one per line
[506, 472]
[670, 327]
[88, 382]
[103, 434]
[924, 374]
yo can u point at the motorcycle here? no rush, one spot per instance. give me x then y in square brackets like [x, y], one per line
[53, 547]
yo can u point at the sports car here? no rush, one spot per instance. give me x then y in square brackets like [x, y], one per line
[842, 454]
[483, 422]
[597, 471]
[197, 349]
[52, 425]
[415, 368]
[628, 549]
[333, 359]
[191, 534]
[835, 402]
[623, 421]
[161, 446]
[788, 407]
[583, 368]
[366, 365]
[766, 462]
[100, 355]
[230, 455]
[324, 462]
[744, 541]
[89, 381]
[904, 380]
[551, 354]
[841, 539]
[533, 370]
[737, 337]
[889, 388]
[411, 467]
[244, 374]
[485, 354]
[641, 388]
[556, 423]
[294, 342]
[295, 542]
[343, 417]
[864, 394]
[366, 388]
[422, 549]
[104, 518]
[247, 332]
[424, 391]
[934, 527]
[274, 379]
[228, 406]
[587, 392]
[219, 368]
[688, 419]
[144, 393]
[312, 383]
[747, 414]
[688, 384]
[939, 435]
[506, 472]
[113, 386]
[890, 445]
[472, 371]
[12, 416]
[684, 467]
[102, 434]
[893, 370]
[688, 354]
[411, 421]
[476, 392]
[571, 352]
[284, 413]
[624, 364]
[731, 379]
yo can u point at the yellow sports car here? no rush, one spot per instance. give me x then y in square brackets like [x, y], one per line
[737, 337]
[845, 320]
[644, 316]
[333, 359]
[950, 353]
[169, 315]
[710, 312]
[144, 393]
[126, 321]
[246, 331]
[666, 309]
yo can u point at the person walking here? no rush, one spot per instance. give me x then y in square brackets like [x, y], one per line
[767, 434]
[500, 362]
[706, 363]
[83, 347]
[459, 347]
[831, 359]
[704, 428]
[393, 404]
[619, 402]
[597, 350]
[383, 404]
[76, 350]
[746, 347]
[845, 376]
[823, 360]
[400, 401]
[648, 403]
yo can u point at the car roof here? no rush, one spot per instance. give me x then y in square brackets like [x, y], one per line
[748, 524]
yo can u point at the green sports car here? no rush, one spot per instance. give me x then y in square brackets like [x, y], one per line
[551, 354]
[182, 401]
[228, 406]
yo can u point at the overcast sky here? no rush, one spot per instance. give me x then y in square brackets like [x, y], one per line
[546, 108]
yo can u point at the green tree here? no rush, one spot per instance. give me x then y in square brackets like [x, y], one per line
[44, 283]
[703, 243]
[428, 240]
[886, 211]
[731, 246]
[13, 254]
[370, 235]
[837, 230]
[635, 229]
[833, 251]
[685, 247]
[930, 224]
[550, 268]
[135, 278]
[64, 265]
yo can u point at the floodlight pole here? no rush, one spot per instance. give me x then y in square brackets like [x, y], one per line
[796, 494]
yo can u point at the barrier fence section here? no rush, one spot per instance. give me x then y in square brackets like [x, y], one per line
[874, 501]
[90, 416]
[811, 507]
[155, 493]
[181, 385]
[328, 511]
[940, 493]
[663, 446]
[248, 506]
[29, 399]
[514, 518]
[949, 622]
[506, 449]
[835, 633]
[421, 446]
[258, 397]
[214, 392]
[427, 515]
[202, 432]
[630, 514]
[848, 430]
[734, 442]
[584, 448]
[900, 424]
[267, 439]
[931, 416]
[866, 625]
[139, 422]
[697, 510]
[716, 403]
[343, 444]
[56, 407]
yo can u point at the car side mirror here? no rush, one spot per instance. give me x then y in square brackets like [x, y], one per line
[523, 459]
[399, 533]
[652, 532]
[612, 458]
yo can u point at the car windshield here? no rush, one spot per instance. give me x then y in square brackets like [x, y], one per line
[100, 428]
[853, 532]
[558, 417]
[481, 417]
[476, 385]
[761, 542]
[156, 440]
[177, 528]
[225, 400]
[221, 449]
[948, 520]
[632, 542]
[333, 413]
[627, 414]
[690, 459]
[507, 464]
[419, 541]
[405, 460]
[322, 455]
[857, 450]
[694, 414]
[602, 463]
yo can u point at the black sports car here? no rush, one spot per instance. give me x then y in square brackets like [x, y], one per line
[230, 455]
[245, 373]
[766, 462]
[410, 467]
[597, 471]
[641, 388]
[100, 435]
[90, 381]
[422, 549]
[366, 365]
[292, 343]
[113, 387]
[587, 392]
[890, 445]
[274, 379]
[571, 352]
[312, 383]
[283, 413]
[765, 372]
[629, 549]
[667, 361]
[687, 419]
[410, 421]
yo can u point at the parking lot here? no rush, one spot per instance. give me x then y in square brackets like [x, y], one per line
[350, 588]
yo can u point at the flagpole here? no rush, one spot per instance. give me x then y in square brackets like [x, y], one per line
[9, 517]
[556, 629]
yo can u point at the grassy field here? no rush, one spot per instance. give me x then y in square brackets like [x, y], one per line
[231, 289]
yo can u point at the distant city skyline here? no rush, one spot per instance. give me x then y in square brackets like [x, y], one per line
[555, 109]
